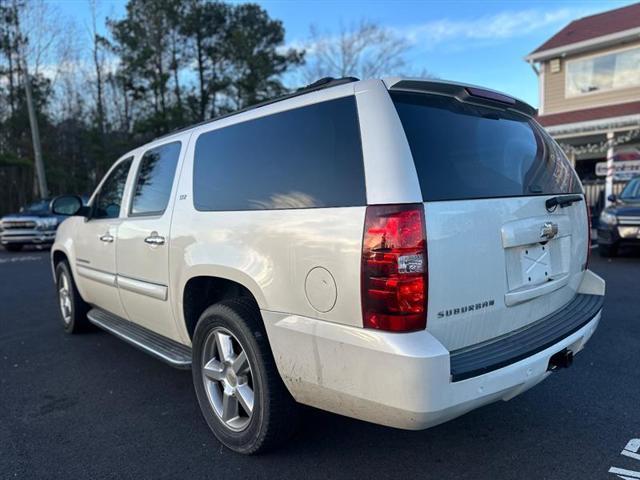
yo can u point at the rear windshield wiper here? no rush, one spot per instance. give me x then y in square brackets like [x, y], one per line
[563, 201]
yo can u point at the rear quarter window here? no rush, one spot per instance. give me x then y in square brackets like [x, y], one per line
[302, 158]
[466, 151]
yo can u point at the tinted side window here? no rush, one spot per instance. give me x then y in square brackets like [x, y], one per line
[302, 158]
[464, 151]
[155, 178]
[108, 200]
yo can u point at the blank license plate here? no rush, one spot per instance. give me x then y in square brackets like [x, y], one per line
[535, 261]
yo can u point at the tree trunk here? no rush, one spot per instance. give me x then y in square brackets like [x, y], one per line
[203, 95]
[100, 160]
[11, 84]
[98, 67]
[175, 68]
[99, 101]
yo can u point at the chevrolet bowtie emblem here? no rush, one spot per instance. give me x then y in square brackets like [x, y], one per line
[549, 230]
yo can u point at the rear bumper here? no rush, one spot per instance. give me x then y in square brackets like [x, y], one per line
[515, 346]
[398, 380]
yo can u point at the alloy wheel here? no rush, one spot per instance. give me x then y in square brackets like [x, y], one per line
[64, 296]
[228, 379]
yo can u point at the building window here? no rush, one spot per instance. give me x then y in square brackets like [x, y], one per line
[603, 72]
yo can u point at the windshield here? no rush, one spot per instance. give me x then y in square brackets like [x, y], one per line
[38, 208]
[631, 190]
[464, 151]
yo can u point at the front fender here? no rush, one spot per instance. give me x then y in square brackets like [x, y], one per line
[64, 244]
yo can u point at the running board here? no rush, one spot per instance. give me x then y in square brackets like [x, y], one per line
[169, 351]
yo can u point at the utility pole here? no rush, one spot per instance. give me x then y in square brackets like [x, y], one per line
[33, 119]
[35, 136]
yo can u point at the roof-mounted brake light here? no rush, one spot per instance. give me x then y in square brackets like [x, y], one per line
[489, 95]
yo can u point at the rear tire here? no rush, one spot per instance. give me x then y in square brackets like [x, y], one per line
[73, 309]
[13, 247]
[608, 251]
[248, 408]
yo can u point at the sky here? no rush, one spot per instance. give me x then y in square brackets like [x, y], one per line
[478, 42]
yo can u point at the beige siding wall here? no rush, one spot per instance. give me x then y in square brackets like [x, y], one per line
[554, 88]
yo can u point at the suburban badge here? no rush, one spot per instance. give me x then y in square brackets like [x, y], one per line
[466, 308]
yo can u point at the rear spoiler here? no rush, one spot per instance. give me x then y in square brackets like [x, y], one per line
[465, 93]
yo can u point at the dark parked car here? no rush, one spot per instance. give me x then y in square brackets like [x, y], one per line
[620, 223]
[34, 225]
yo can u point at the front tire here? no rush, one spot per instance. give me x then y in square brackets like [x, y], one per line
[240, 392]
[73, 309]
[13, 247]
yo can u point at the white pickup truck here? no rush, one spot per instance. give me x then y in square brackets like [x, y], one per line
[33, 225]
[400, 251]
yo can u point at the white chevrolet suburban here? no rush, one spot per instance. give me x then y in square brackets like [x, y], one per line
[399, 251]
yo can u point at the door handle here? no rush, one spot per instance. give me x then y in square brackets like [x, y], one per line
[107, 238]
[154, 239]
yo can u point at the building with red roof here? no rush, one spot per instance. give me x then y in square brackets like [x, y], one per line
[589, 88]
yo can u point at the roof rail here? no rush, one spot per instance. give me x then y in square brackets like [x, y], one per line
[321, 84]
[326, 82]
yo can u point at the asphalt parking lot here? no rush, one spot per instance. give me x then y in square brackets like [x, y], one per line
[90, 406]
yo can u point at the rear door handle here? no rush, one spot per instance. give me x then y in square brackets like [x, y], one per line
[154, 239]
[107, 238]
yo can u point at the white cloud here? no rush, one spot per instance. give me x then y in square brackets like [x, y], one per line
[462, 33]
[496, 27]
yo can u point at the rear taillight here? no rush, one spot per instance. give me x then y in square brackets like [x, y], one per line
[394, 268]
[586, 265]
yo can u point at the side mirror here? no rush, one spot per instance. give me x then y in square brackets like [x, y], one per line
[68, 205]
[612, 198]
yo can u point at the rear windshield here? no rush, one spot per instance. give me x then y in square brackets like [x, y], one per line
[464, 151]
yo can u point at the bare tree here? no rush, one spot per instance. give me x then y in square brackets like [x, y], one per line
[41, 53]
[40, 175]
[97, 55]
[42, 24]
[364, 50]
[67, 96]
